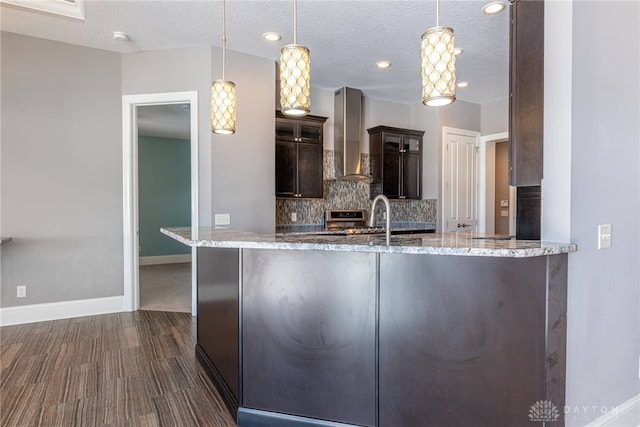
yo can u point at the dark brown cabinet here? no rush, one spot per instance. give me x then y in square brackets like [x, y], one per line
[299, 145]
[396, 162]
[526, 87]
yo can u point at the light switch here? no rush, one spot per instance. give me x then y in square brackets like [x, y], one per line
[504, 203]
[604, 236]
[294, 216]
[504, 212]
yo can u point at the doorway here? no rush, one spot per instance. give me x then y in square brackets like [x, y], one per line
[459, 179]
[132, 105]
[496, 199]
[164, 200]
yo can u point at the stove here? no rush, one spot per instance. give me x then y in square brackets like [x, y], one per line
[350, 221]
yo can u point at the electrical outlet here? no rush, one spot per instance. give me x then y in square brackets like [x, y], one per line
[223, 219]
[294, 216]
[604, 236]
[21, 291]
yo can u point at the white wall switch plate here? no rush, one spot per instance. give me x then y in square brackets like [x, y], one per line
[504, 212]
[21, 291]
[223, 219]
[604, 236]
[294, 216]
[504, 203]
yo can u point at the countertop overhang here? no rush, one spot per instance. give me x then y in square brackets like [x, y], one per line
[459, 243]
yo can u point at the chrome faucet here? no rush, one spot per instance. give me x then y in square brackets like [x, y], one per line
[372, 217]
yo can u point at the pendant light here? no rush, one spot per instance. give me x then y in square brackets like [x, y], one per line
[295, 75]
[438, 65]
[223, 93]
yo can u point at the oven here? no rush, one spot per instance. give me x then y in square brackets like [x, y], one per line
[349, 221]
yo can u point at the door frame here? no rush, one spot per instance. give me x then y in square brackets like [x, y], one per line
[486, 181]
[130, 103]
[443, 174]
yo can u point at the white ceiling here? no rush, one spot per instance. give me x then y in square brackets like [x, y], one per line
[346, 38]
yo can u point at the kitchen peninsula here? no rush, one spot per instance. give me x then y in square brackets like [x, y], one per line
[433, 329]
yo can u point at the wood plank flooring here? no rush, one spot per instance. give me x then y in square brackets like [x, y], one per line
[124, 369]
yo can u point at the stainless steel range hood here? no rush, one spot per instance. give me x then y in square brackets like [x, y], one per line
[347, 134]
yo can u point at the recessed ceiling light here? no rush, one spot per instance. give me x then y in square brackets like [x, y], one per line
[271, 36]
[493, 7]
[383, 64]
[120, 36]
[462, 84]
[458, 51]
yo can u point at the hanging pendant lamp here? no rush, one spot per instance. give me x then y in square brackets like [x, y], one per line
[438, 65]
[223, 93]
[295, 75]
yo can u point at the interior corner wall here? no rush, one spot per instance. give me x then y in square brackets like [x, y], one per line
[604, 301]
[377, 112]
[322, 101]
[494, 117]
[178, 70]
[426, 118]
[243, 164]
[61, 171]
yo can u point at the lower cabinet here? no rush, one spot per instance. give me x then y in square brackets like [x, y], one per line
[462, 340]
[382, 339]
[308, 334]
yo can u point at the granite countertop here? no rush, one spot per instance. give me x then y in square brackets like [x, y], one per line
[460, 243]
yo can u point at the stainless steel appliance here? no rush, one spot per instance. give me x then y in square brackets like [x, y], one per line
[349, 221]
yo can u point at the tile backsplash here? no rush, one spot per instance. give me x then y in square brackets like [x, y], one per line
[345, 194]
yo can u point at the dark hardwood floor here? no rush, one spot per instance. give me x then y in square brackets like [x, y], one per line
[125, 369]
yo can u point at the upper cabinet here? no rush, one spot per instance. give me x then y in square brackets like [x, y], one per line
[396, 162]
[526, 87]
[299, 145]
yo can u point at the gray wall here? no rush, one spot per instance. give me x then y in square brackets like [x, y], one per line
[236, 173]
[604, 322]
[61, 171]
[243, 164]
[178, 70]
[164, 193]
[494, 117]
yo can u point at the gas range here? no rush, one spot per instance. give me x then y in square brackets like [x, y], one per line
[349, 221]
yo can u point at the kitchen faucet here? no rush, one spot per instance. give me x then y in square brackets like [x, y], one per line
[388, 212]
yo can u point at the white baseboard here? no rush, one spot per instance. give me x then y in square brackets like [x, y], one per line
[624, 414]
[60, 310]
[164, 259]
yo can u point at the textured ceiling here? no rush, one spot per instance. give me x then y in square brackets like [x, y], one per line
[346, 38]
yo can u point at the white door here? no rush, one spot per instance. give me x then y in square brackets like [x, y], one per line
[459, 180]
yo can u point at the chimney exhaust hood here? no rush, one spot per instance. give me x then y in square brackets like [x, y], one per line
[347, 134]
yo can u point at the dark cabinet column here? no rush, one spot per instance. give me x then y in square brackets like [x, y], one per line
[526, 101]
